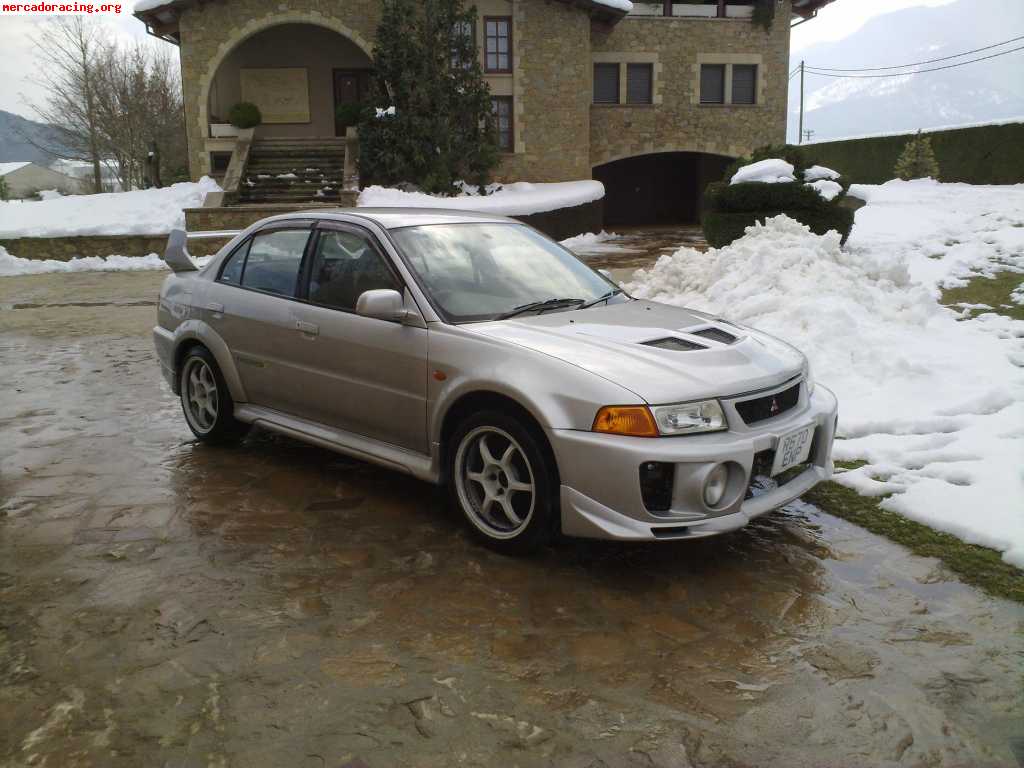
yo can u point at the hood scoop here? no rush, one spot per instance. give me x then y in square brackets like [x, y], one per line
[674, 344]
[715, 334]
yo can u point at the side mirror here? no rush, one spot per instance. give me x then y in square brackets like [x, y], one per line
[383, 304]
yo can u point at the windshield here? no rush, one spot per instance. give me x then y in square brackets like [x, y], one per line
[483, 271]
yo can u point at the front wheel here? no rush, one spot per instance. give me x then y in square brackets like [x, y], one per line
[209, 409]
[503, 483]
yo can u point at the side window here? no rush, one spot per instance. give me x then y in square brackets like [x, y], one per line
[344, 267]
[232, 270]
[274, 260]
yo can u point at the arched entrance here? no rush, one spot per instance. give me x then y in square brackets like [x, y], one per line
[658, 188]
[296, 72]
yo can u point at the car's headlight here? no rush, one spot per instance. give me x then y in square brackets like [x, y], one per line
[689, 418]
[808, 377]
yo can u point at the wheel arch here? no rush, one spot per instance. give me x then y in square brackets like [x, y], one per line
[194, 333]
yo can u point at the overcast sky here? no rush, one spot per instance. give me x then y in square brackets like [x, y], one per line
[17, 63]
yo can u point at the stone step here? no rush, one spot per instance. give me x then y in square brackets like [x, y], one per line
[298, 169]
[256, 197]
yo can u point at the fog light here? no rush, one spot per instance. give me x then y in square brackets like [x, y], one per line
[715, 485]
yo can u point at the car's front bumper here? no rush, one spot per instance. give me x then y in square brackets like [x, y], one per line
[600, 475]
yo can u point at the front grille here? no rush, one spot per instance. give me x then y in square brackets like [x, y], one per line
[656, 482]
[761, 408]
[716, 334]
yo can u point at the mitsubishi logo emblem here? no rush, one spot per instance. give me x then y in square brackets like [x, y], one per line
[774, 409]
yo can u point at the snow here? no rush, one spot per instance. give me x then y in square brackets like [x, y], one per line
[769, 171]
[930, 397]
[619, 5]
[11, 266]
[819, 172]
[827, 189]
[519, 199]
[389, 112]
[141, 212]
[592, 244]
[6, 168]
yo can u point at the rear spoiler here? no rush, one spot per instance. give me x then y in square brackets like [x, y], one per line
[177, 256]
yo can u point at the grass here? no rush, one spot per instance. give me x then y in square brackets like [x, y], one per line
[979, 566]
[994, 291]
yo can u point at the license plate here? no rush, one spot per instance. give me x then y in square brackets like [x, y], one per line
[793, 449]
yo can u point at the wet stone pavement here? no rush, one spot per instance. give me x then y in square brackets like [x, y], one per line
[164, 603]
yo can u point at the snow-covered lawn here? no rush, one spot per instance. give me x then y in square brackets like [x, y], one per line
[517, 199]
[142, 212]
[932, 401]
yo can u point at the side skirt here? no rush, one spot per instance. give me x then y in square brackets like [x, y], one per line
[418, 465]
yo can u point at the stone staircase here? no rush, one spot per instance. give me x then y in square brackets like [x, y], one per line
[294, 171]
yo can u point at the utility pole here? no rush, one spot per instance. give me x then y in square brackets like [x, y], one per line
[801, 139]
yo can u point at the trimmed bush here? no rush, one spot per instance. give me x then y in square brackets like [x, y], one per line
[245, 114]
[349, 115]
[795, 156]
[758, 196]
[723, 228]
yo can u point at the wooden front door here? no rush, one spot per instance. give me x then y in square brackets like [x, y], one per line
[351, 86]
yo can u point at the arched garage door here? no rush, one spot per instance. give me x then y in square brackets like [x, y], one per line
[661, 188]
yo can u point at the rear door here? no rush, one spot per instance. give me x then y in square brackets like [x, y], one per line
[364, 375]
[252, 306]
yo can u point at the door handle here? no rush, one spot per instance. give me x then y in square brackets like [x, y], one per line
[309, 329]
[217, 309]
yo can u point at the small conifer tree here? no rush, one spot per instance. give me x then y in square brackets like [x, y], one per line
[441, 129]
[918, 160]
[3, 188]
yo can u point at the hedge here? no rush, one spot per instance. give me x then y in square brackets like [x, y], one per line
[722, 228]
[758, 196]
[987, 154]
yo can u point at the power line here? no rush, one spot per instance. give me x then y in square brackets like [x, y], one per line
[812, 71]
[919, 63]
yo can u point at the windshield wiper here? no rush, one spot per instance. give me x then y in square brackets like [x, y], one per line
[599, 299]
[537, 305]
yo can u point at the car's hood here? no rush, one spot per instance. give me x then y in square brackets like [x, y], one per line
[614, 342]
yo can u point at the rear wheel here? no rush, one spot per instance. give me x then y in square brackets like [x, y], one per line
[502, 482]
[209, 409]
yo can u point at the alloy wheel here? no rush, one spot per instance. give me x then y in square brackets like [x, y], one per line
[200, 395]
[495, 482]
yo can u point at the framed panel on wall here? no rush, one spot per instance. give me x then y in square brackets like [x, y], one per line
[281, 93]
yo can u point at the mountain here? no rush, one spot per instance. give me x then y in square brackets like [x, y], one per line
[986, 91]
[17, 135]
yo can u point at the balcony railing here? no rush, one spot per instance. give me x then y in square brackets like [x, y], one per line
[709, 9]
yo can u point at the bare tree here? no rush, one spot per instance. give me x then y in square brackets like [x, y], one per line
[68, 50]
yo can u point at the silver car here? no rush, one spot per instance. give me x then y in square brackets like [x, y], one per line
[470, 350]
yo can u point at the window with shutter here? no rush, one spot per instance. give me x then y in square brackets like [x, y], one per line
[606, 83]
[639, 83]
[744, 84]
[712, 84]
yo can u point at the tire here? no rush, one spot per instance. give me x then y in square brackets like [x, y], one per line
[206, 401]
[507, 489]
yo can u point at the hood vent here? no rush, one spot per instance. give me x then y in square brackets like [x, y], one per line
[716, 334]
[673, 344]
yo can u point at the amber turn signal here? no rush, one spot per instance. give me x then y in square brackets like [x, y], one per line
[633, 420]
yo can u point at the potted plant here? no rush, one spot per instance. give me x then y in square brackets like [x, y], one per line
[244, 114]
[219, 129]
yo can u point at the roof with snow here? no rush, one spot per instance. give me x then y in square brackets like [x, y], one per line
[6, 168]
[809, 8]
[161, 16]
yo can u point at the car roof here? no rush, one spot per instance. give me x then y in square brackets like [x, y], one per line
[395, 218]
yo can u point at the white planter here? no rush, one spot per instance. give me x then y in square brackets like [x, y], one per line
[693, 9]
[223, 130]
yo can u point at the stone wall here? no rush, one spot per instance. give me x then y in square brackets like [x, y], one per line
[679, 123]
[67, 248]
[552, 87]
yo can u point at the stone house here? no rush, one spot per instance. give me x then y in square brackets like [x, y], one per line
[652, 98]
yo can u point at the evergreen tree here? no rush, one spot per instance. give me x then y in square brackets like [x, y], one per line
[442, 129]
[918, 160]
[3, 188]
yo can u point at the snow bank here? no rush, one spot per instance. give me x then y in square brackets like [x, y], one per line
[768, 171]
[518, 199]
[819, 172]
[12, 266]
[933, 402]
[827, 189]
[590, 244]
[142, 212]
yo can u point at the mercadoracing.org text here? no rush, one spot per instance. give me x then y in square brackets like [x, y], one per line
[53, 8]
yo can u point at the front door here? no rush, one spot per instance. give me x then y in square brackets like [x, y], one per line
[364, 375]
[351, 87]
